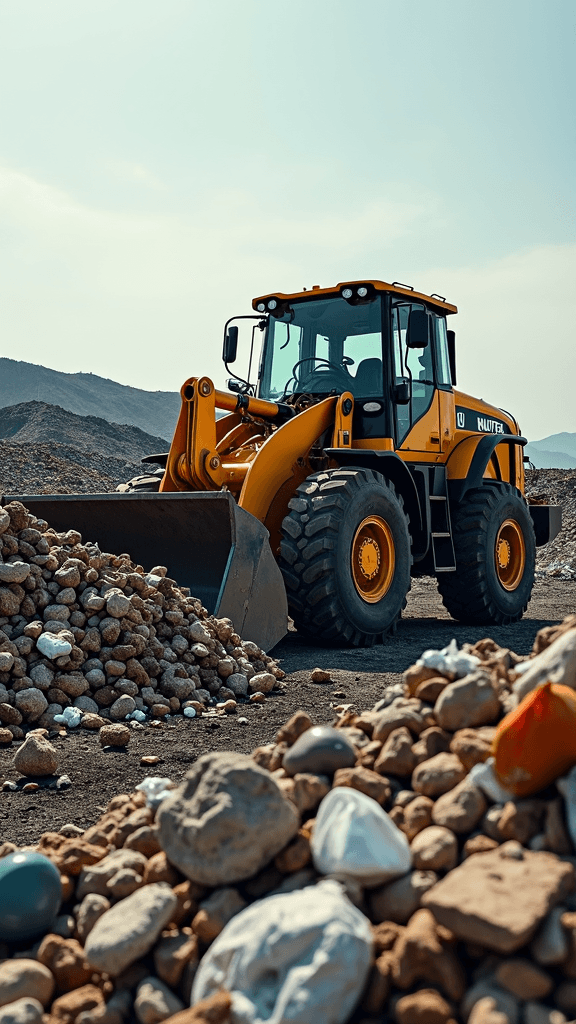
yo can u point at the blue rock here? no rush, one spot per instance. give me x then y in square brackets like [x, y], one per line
[320, 750]
[30, 895]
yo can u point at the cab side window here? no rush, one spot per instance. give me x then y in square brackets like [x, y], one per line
[442, 358]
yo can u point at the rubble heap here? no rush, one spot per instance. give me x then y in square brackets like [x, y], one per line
[557, 487]
[375, 870]
[86, 630]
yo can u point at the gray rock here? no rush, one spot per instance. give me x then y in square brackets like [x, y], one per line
[398, 900]
[226, 820]
[155, 1002]
[14, 572]
[90, 910]
[130, 928]
[125, 705]
[320, 750]
[31, 703]
[238, 683]
[22, 1011]
[551, 946]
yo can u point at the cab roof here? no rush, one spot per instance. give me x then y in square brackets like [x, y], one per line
[396, 288]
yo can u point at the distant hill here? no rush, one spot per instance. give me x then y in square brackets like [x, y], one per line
[558, 451]
[86, 394]
[34, 423]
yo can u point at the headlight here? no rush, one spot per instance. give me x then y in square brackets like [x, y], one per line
[361, 292]
[272, 303]
[347, 293]
[261, 307]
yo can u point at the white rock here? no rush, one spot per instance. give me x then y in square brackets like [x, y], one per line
[484, 776]
[70, 717]
[300, 957]
[450, 661]
[52, 646]
[354, 836]
[556, 664]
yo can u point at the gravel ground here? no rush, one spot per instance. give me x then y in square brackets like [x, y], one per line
[358, 677]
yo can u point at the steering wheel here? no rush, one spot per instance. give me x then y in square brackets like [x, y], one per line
[327, 369]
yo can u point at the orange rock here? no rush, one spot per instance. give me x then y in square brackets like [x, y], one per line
[423, 953]
[426, 1006]
[67, 1007]
[65, 958]
[536, 743]
[214, 1010]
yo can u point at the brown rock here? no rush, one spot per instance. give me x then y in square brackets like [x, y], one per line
[472, 746]
[68, 1007]
[431, 742]
[215, 912]
[295, 856]
[367, 755]
[366, 781]
[523, 979]
[65, 959]
[556, 835]
[319, 675]
[306, 791]
[36, 756]
[114, 735]
[399, 900]
[485, 1011]
[430, 689]
[417, 815]
[5, 736]
[378, 985]
[461, 808]
[434, 849]
[144, 840]
[468, 702]
[159, 869]
[214, 1010]
[479, 900]
[172, 953]
[478, 844]
[423, 953]
[187, 894]
[414, 676]
[438, 775]
[395, 717]
[565, 998]
[385, 935]
[521, 820]
[92, 721]
[396, 757]
[426, 1006]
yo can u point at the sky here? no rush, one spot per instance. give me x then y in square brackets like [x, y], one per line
[164, 161]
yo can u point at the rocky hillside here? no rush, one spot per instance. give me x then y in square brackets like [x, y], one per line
[46, 450]
[86, 394]
[558, 486]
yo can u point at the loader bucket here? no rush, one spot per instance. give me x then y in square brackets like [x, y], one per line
[205, 540]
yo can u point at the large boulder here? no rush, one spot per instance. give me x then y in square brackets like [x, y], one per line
[226, 820]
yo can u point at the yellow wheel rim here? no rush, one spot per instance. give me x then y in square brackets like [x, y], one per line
[373, 559]
[510, 554]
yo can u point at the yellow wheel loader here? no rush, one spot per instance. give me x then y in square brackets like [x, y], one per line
[351, 464]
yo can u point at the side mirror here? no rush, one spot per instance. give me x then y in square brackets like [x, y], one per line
[401, 392]
[230, 345]
[417, 335]
[234, 385]
[452, 354]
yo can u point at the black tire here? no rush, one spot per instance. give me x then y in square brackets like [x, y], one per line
[484, 590]
[149, 482]
[322, 533]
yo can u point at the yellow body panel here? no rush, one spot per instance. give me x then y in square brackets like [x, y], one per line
[379, 286]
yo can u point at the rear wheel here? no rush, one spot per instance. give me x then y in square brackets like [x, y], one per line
[345, 556]
[495, 550]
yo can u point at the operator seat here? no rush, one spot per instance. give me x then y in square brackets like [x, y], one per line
[368, 379]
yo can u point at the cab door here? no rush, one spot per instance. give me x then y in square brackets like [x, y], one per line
[417, 419]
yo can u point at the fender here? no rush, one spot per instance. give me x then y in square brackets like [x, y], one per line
[392, 466]
[482, 452]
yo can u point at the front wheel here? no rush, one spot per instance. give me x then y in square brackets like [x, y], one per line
[345, 557]
[495, 549]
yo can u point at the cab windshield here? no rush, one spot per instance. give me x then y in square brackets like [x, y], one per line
[324, 346]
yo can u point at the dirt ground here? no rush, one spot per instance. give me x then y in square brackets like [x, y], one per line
[358, 677]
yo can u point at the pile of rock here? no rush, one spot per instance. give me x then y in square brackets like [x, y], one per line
[374, 870]
[558, 487]
[83, 629]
